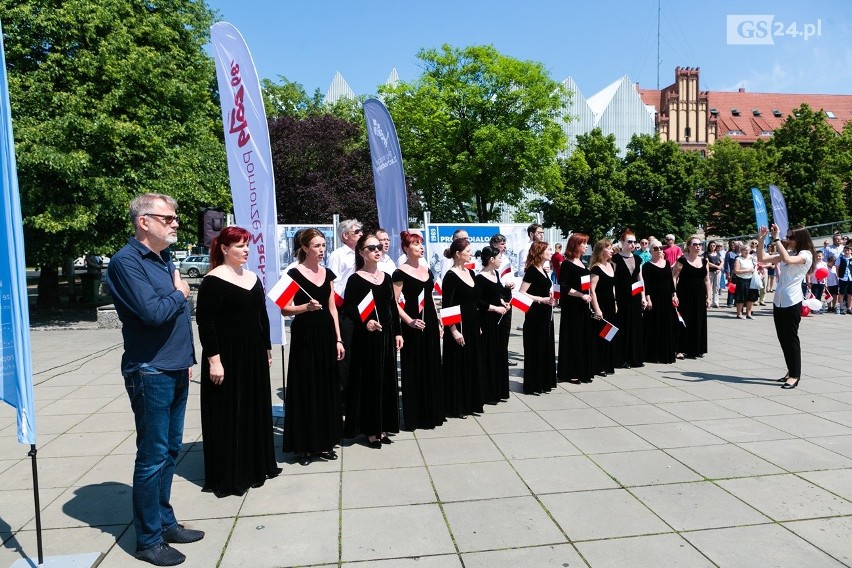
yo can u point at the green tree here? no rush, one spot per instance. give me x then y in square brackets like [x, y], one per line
[663, 181]
[843, 168]
[807, 165]
[288, 98]
[593, 199]
[110, 98]
[477, 130]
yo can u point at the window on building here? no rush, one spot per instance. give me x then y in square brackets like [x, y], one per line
[767, 132]
[714, 111]
[735, 132]
[755, 112]
[830, 114]
[776, 113]
[735, 111]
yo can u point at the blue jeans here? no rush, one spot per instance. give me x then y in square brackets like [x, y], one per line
[158, 399]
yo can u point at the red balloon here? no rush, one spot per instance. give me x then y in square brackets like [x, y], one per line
[731, 287]
[806, 311]
[821, 273]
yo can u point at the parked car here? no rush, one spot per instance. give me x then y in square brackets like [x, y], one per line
[195, 266]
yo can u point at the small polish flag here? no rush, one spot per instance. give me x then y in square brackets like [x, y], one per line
[438, 288]
[451, 315]
[637, 288]
[338, 299]
[608, 331]
[421, 300]
[470, 265]
[680, 318]
[521, 301]
[557, 291]
[585, 283]
[367, 305]
[827, 296]
[507, 270]
[283, 291]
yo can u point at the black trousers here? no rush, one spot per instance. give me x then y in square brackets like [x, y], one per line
[787, 329]
[347, 327]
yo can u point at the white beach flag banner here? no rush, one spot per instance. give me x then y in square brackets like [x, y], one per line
[249, 158]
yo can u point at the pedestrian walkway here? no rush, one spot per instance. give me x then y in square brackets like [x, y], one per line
[705, 462]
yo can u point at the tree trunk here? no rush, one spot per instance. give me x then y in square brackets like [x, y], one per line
[48, 287]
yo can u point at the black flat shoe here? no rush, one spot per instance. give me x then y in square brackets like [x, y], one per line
[790, 385]
[305, 460]
[375, 444]
[626, 366]
[330, 455]
[386, 440]
[574, 381]
[782, 379]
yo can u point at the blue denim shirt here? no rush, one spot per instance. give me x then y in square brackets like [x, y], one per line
[156, 323]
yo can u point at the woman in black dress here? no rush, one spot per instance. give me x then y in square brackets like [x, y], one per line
[372, 393]
[236, 402]
[422, 386]
[575, 325]
[660, 321]
[493, 306]
[312, 417]
[462, 366]
[539, 339]
[603, 304]
[629, 348]
[694, 291]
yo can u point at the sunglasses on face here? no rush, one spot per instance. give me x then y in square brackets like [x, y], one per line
[630, 241]
[656, 248]
[695, 244]
[374, 248]
[167, 219]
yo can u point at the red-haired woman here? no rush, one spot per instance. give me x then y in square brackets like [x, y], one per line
[630, 298]
[575, 326]
[422, 385]
[236, 422]
[539, 340]
[313, 421]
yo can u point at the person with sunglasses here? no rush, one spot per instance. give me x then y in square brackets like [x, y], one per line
[372, 395]
[693, 294]
[795, 262]
[629, 346]
[659, 319]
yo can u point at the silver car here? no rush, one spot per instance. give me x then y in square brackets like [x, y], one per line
[195, 266]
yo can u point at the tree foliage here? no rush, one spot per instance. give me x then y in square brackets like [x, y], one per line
[477, 130]
[109, 99]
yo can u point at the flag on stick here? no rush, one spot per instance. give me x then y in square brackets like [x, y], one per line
[338, 299]
[680, 318]
[283, 291]
[367, 305]
[438, 288]
[637, 288]
[557, 291]
[470, 265]
[585, 283]
[507, 270]
[521, 300]
[608, 331]
[451, 315]
[421, 301]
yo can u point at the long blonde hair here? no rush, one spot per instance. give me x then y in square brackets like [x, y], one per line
[597, 252]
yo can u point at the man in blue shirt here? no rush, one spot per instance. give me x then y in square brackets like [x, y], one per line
[151, 302]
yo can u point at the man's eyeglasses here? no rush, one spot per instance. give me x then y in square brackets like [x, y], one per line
[644, 243]
[167, 219]
[656, 248]
[357, 231]
[374, 248]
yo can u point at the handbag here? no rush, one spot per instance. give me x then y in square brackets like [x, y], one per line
[756, 281]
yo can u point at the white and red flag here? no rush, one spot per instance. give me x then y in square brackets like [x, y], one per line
[451, 315]
[338, 299]
[608, 331]
[680, 318]
[585, 282]
[637, 288]
[470, 265]
[557, 291]
[521, 300]
[367, 305]
[283, 291]
[438, 288]
[507, 270]
[421, 300]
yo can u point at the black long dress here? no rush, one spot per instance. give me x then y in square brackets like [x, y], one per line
[372, 393]
[628, 343]
[575, 326]
[604, 357]
[462, 366]
[312, 417]
[422, 385]
[660, 322]
[539, 339]
[236, 415]
[692, 295]
[495, 352]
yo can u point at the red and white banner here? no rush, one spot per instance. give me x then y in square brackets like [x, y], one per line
[249, 157]
[521, 300]
[283, 291]
[366, 306]
[637, 288]
[451, 315]
[557, 291]
[608, 331]
[585, 282]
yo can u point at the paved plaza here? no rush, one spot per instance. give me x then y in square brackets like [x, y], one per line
[704, 462]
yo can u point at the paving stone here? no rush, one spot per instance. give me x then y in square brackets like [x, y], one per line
[563, 474]
[391, 532]
[650, 551]
[787, 497]
[647, 467]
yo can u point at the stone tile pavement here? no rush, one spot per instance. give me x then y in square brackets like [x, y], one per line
[705, 462]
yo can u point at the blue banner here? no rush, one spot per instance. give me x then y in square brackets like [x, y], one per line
[388, 175]
[760, 214]
[779, 210]
[16, 380]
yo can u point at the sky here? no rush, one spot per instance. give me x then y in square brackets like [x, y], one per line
[594, 41]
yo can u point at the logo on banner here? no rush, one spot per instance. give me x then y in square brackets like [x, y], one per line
[238, 124]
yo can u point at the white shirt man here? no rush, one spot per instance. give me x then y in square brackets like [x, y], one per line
[386, 264]
[342, 260]
[536, 234]
[447, 263]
